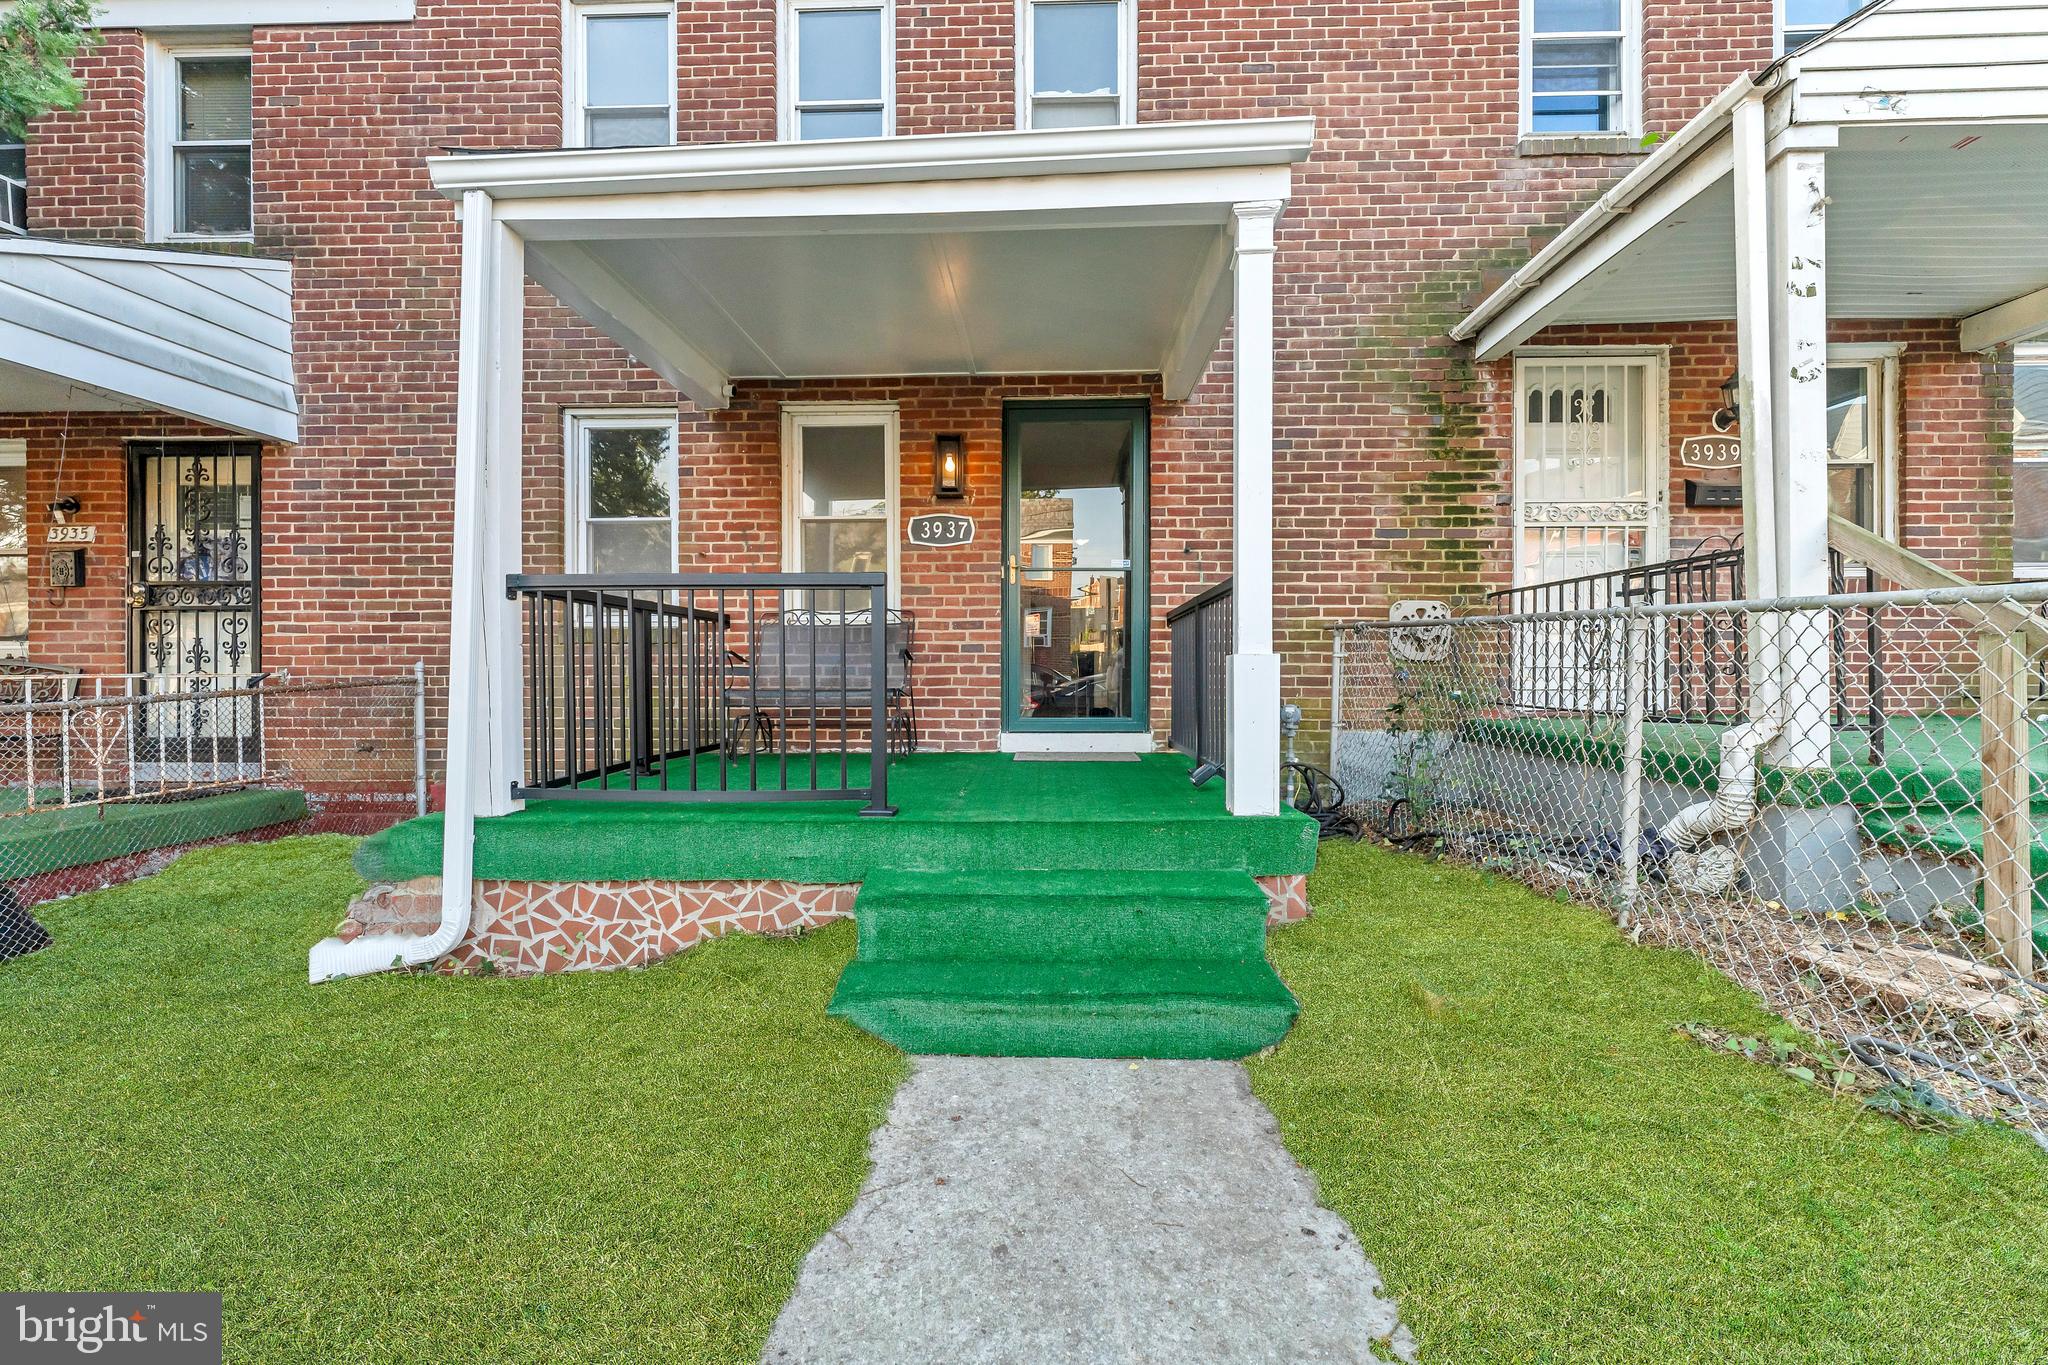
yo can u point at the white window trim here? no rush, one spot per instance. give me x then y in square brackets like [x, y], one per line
[1778, 27]
[1629, 123]
[1657, 381]
[14, 455]
[798, 416]
[575, 126]
[2032, 354]
[160, 124]
[1883, 358]
[785, 60]
[577, 424]
[1127, 61]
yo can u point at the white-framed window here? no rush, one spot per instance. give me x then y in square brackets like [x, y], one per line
[2030, 461]
[13, 549]
[1077, 65]
[618, 74]
[622, 490]
[201, 147]
[1863, 386]
[1801, 21]
[1581, 67]
[838, 76]
[840, 489]
[13, 186]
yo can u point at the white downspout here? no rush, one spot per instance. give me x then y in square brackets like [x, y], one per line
[1733, 805]
[331, 958]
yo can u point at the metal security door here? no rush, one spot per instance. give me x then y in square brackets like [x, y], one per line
[193, 551]
[1590, 476]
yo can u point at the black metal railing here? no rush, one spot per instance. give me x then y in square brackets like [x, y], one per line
[713, 687]
[1702, 660]
[1200, 630]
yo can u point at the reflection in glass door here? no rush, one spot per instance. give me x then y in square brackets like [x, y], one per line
[1074, 613]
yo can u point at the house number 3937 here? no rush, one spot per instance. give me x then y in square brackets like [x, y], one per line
[940, 528]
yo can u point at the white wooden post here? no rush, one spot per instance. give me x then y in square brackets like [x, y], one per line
[1796, 191]
[483, 659]
[1251, 765]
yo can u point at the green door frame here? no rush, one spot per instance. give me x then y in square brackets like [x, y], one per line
[1138, 651]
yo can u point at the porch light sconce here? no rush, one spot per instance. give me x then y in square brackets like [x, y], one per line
[1730, 415]
[949, 465]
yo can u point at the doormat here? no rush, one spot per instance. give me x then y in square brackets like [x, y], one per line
[1058, 756]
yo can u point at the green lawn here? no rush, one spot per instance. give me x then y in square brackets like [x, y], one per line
[1486, 1083]
[596, 1167]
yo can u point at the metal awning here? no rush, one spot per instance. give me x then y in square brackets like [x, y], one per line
[1084, 251]
[98, 328]
[1935, 205]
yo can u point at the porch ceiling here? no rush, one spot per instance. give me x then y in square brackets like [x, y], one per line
[1084, 251]
[94, 328]
[1930, 221]
[1918, 227]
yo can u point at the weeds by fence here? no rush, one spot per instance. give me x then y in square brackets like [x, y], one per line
[106, 778]
[1851, 825]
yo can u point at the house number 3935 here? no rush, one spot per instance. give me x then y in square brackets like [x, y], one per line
[940, 528]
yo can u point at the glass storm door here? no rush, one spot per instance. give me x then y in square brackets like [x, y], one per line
[1074, 589]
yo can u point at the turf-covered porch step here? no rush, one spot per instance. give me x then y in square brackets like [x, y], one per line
[1064, 916]
[1183, 1008]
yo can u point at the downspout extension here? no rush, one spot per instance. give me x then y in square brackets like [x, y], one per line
[1697, 865]
[333, 958]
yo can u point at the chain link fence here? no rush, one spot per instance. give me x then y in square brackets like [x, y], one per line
[106, 778]
[1841, 802]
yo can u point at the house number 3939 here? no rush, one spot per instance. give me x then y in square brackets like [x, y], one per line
[940, 528]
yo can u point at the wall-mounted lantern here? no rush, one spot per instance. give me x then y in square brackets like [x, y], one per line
[949, 465]
[1730, 415]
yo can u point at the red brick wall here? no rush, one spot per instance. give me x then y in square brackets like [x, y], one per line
[1392, 478]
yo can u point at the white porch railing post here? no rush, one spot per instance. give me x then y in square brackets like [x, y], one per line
[1251, 766]
[483, 663]
[1796, 191]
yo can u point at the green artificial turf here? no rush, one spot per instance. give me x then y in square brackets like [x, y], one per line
[954, 811]
[36, 842]
[1038, 964]
[594, 1167]
[1487, 1084]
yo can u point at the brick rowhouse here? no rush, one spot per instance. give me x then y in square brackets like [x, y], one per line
[1393, 450]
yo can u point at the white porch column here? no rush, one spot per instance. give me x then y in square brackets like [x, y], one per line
[1251, 764]
[484, 661]
[1796, 192]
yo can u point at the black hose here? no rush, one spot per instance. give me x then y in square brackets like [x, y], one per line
[1864, 1048]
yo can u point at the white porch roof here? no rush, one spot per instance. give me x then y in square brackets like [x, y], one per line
[1100, 250]
[1934, 118]
[98, 328]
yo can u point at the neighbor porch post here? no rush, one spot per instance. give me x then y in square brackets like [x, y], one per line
[483, 657]
[1796, 193]
[1251, 765]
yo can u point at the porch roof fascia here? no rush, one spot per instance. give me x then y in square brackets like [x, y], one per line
[1217, 144]
[1696, 158]
[204, 335]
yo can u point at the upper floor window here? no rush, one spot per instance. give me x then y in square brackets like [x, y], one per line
[1579, 66]
[2030, 461]
[13, 187]
[838, 69]
[200, 144]
[619, 71]
[1801, 21]
[1077, 60]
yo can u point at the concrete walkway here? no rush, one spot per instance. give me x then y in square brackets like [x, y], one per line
[1052, 1211]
